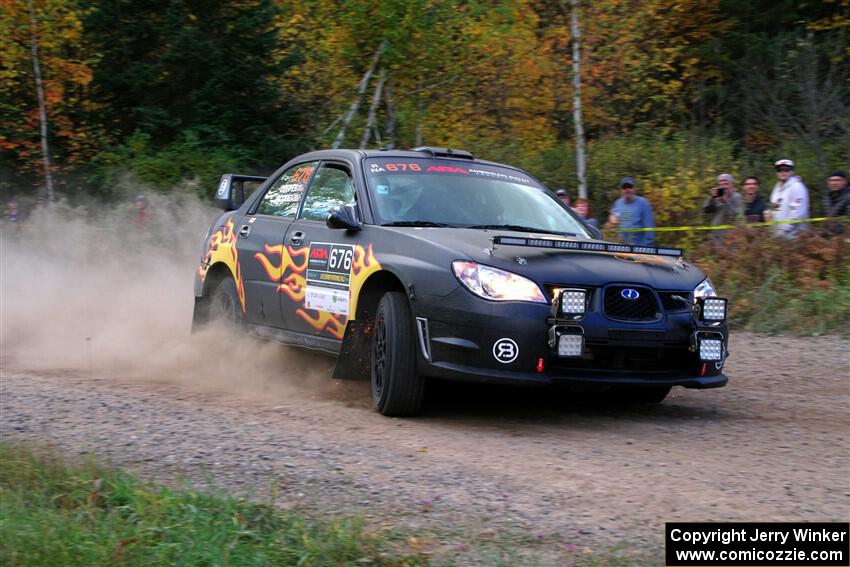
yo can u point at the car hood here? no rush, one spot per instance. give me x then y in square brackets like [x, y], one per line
[548, 266]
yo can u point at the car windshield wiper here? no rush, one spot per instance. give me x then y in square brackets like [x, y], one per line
[521, 228]
[415, 223]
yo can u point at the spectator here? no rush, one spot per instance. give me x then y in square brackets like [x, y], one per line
[836, 202]
[563, 195]
[141, 211]
[789, 200]
[754, 205]
[631, 211]
[13, 215]
[723, 202]
[583, 210]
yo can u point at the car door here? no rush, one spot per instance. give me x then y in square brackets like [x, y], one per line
[263, 258]
[330, 254]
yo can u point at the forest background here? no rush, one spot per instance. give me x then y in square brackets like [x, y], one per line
[171, 93]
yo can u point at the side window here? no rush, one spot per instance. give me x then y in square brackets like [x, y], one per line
[282, 198]
[332, 187]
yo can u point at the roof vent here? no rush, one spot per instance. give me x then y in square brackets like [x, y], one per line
[444, 152]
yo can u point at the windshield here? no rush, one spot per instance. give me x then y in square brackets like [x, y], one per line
[432, 192]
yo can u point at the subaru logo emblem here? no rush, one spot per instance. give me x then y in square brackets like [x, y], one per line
[629, 293]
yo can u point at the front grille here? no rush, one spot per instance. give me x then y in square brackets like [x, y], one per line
[643, 308]
[675, 301]
[660, 360]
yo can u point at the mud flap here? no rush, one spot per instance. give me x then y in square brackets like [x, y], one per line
[200, 314]
[355, 354]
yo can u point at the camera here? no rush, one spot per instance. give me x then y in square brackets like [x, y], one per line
[720, 191]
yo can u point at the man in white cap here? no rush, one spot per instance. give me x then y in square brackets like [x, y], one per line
[789, 200]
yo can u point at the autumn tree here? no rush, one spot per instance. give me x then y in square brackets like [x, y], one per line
[54, 28]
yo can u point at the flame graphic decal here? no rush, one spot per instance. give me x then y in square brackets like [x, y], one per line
[222, 248]
[289, 273]
[363, 266]
[293, 284]
[324, 322]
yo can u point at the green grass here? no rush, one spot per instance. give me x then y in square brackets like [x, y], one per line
[54, 514]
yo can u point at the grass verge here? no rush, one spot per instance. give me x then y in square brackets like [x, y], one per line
[799, 286]
[55, 514]
[52, 513]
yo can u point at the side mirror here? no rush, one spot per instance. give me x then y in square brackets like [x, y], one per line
[595, 232]
[233, 188]
[344, 217]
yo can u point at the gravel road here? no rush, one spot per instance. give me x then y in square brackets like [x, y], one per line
[557, 467]
[95, 357]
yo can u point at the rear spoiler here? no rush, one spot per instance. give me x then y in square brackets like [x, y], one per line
[583, 245]
[232, 187]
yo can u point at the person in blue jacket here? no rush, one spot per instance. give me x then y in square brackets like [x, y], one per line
[632, 211]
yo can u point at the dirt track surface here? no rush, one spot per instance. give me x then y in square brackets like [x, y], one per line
[481, 461]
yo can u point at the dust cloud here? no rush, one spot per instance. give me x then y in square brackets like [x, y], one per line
[93, 291]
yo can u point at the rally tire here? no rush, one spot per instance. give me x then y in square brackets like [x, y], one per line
[224, 305]
[397, 387]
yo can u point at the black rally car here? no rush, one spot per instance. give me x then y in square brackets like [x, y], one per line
[409, 264]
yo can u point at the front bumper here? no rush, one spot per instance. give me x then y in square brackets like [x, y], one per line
[509, 343]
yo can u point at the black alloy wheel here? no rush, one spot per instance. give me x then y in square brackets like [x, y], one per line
[397, 387]
[224, 304]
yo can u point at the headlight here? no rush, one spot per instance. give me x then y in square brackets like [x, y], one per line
[496, 284]
[704, 289]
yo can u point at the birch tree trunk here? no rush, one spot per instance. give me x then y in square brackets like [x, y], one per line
[580, 155]
[42, 110]
[388, 101]
[361, 90]
[371, 121]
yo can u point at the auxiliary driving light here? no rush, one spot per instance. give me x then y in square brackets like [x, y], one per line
[710, 350]
[572, 302]
[567, 341]
[570, 345]
[713, 309]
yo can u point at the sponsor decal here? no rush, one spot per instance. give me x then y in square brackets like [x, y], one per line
[222, 188]
[500, 175]
[505, 350]
[447, 169]
[318, 253]
[328, 277]
[289, 193]
[222, 248]
[336, 273]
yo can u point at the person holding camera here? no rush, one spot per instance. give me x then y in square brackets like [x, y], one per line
[723, 203]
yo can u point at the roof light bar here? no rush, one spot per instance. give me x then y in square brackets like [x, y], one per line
[581, 245]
